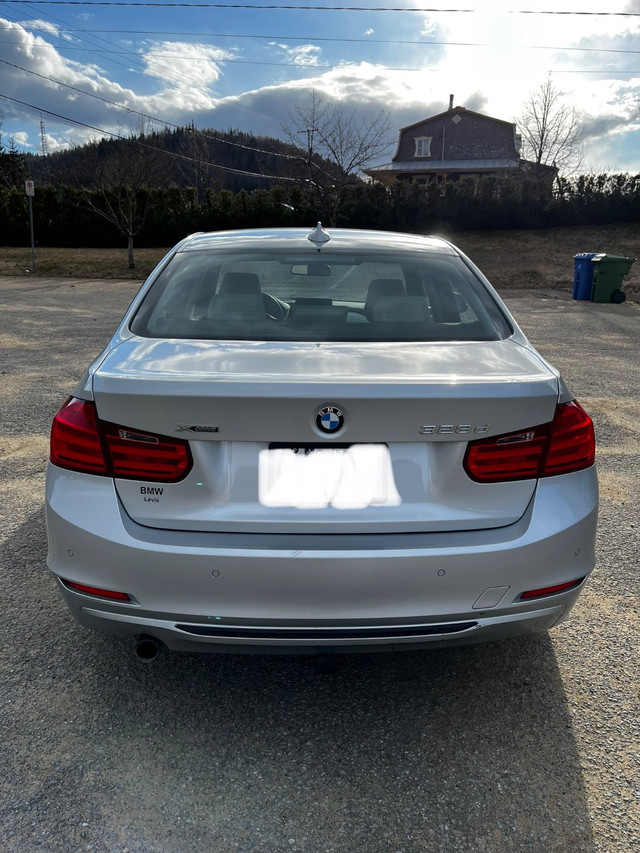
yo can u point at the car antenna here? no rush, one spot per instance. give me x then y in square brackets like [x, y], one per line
[319, 236]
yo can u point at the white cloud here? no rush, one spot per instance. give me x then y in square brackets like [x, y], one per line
[200, 64]
[45, 26]
[21, 139]
[429, 28]
[363, 87]
[38, 66]
[305, 55]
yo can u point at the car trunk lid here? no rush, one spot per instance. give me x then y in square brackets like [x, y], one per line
[262, 460]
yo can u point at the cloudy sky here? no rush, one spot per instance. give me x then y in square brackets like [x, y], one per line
[94, 68]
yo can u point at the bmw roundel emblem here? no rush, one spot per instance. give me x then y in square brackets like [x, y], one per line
[329, 419]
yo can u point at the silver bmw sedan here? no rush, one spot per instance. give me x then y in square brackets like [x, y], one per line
[321, 441]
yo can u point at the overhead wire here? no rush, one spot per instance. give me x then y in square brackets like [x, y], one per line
[168, 71]
[71, 29]
[146, 144]
[311, 8]
[305, 67]
[204, 134]
[130, 111]
[325, 66]
[332, 39]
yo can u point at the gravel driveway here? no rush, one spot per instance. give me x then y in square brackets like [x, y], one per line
[530, 745]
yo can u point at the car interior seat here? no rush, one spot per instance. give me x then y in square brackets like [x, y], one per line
[238, 299]
[388, 302]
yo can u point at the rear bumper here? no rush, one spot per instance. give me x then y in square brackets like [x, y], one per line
[311, 593]
[197, 637]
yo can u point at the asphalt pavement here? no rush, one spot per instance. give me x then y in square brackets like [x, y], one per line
[527, 745]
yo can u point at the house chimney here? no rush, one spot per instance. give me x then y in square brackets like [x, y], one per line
[450, 102]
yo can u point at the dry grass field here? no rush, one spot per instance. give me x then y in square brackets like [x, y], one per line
[78, 263]
[510, 259]
[544, 258]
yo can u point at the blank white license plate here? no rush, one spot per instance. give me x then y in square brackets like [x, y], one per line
[314, 477]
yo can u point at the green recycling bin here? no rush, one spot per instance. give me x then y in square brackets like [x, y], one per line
[608, 272]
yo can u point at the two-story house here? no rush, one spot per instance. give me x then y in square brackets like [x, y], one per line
[457, 143]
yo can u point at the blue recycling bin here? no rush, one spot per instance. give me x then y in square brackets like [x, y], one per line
[583, 275]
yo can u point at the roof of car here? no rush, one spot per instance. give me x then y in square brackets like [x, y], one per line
[297, 239]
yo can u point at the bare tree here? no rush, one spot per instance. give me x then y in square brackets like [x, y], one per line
[122, 172]
[550, 129]
[335, 146]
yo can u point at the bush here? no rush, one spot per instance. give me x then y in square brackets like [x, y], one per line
[62, 215]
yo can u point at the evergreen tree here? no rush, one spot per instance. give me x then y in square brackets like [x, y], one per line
[13, 165]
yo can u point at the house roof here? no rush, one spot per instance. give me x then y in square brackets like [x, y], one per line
[489, 164]
[453, 111]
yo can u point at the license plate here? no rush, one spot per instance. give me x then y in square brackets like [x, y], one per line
[313, 477]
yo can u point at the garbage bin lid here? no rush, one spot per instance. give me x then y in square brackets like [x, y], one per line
[603, 255]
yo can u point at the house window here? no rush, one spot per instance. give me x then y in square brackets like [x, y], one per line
[423, 146]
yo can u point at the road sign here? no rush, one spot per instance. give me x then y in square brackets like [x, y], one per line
[30, 189]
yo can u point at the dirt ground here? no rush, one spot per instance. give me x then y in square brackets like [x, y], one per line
[531, 259]
[510, 259]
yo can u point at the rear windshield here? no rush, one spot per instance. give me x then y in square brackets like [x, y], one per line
[321, 297]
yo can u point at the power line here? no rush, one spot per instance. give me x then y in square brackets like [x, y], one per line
[182, 83]
[147, 116]
[71, 29]
[74, 121]
[298, 8]
[325, 65]
[91, 49]
[102, 50]
[210, 136]
[314, 38]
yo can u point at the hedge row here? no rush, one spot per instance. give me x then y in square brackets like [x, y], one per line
[63, 215]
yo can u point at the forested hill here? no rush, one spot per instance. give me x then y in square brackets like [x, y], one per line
[186, 157]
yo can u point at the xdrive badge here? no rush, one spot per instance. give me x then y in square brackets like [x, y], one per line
[196, 428]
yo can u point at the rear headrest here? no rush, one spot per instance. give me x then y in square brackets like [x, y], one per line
[240, 283]
[381, 289]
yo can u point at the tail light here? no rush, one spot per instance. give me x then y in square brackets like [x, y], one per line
[573, 442]
[566, 444]
[75, 440]
[81, 442]
[142, 456]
